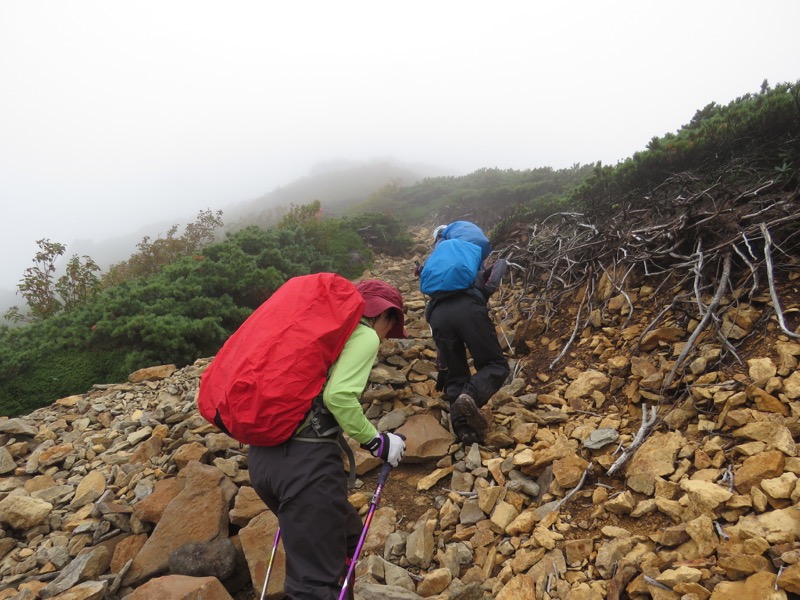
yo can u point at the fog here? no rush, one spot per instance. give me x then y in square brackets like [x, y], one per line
[119, 119]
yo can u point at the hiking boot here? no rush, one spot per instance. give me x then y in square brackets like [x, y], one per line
[466, 434]
[470, 437]
[465, 406]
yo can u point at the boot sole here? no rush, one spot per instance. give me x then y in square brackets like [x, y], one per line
[472, 414]
[471, 438]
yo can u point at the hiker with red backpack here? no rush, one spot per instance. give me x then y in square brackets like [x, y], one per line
[459, 288]
[300, 475]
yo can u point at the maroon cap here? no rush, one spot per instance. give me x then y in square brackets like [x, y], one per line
[379, 296]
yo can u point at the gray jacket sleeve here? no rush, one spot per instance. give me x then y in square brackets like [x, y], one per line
[488, 281]
[495, 275]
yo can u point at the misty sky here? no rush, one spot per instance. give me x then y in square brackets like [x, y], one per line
[116, 115]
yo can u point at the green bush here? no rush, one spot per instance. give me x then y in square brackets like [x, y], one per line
[760, 131]
[381, 232]
[58, 375]
[184, 311]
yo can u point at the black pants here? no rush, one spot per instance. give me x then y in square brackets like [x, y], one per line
[461, 323]
[305, 485]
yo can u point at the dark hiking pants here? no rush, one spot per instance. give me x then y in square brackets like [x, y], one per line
[460, 323]
[305, 485]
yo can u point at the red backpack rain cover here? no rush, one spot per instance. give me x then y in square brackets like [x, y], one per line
[264, 378]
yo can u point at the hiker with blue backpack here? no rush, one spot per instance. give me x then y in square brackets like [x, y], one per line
[307, 353]
[459, 287]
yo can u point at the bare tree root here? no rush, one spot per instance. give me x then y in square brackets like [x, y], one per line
[571, 338]
[712, 236]
[649, 418]
[709, 314]
[574, 490]
[775, 301]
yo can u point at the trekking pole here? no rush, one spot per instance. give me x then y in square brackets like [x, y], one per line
[373, 504]
[271, 559]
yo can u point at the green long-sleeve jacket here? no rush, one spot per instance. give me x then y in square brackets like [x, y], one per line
[347, 379]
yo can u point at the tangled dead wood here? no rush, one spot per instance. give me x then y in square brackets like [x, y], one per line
[701, 255]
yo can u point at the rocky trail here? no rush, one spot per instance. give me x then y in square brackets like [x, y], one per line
[593, 483]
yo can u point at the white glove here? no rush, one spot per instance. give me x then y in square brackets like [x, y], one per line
[389, 447]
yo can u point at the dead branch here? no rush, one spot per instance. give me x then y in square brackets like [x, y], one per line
[753, 272]
[623, 574]
[574, 490]
[655, 583]
[571, 338]
[622, 291]
[678, 238]
[756, 191]
[709, 314]
[649, 418]
[664, 311]
[772, 291]
[505, 337]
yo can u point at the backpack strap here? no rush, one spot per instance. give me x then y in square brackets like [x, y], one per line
[321, 426]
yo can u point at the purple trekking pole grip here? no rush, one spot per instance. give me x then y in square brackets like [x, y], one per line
[373, 504]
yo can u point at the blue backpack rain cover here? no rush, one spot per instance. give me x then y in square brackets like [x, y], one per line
[453, 265]
[468, 232]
